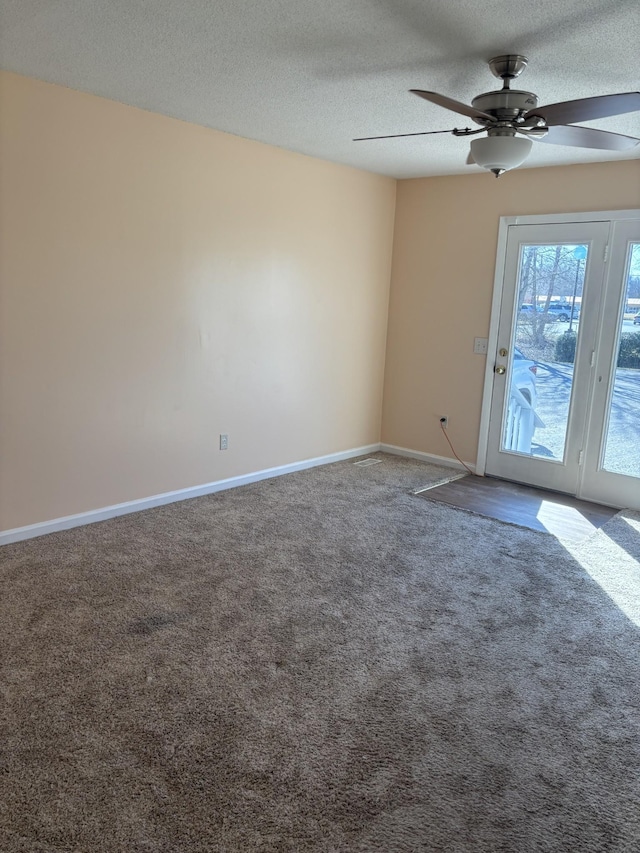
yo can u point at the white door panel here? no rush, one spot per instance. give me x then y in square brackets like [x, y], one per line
[540, 267]
[611, 471]
[563, 405]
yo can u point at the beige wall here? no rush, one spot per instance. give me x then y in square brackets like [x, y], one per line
[162, 283]
[442, 282]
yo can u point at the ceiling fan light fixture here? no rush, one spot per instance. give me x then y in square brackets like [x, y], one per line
[512, 120]
[500, 153]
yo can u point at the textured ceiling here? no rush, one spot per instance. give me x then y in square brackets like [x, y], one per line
[310, 76]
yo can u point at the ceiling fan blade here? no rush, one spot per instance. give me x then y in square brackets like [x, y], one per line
[450, 104]
[588, 137]
[470, 161]
[586, 109]
[398, 135]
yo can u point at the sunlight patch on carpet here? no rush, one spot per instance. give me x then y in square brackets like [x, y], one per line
[612, 557]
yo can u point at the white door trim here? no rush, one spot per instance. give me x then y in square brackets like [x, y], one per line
[492, 345]
[552, 218]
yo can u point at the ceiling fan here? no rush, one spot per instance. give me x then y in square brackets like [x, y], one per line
[512, 120]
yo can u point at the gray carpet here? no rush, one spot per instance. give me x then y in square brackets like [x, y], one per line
[319, 662]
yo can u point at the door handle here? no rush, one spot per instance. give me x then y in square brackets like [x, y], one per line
[500, 369]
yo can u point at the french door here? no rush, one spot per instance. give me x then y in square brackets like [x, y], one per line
[562, 396]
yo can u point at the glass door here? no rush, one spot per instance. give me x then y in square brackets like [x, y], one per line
[548, 323]
[564, 412]
[612, 450]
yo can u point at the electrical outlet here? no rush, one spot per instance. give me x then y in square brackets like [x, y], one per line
[224, 441]
[444, 421]
[480, 346]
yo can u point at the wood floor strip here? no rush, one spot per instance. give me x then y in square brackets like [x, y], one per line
[562, 516]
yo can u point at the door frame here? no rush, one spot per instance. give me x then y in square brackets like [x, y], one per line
[498, 283]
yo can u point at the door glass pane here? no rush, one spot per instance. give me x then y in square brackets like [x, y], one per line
[622, 443]
[546, 327]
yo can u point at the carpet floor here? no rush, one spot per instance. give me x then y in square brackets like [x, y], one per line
[320, 662]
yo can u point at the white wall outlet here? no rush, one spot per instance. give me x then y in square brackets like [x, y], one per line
[480, 345]
[224, 441]
[444, 421]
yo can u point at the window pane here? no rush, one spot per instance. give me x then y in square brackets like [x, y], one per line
[547, 322]
[622, 446]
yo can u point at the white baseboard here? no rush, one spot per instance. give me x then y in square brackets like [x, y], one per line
[426, 457]
[55, 525]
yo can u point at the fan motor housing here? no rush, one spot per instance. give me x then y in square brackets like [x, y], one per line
[504, 105]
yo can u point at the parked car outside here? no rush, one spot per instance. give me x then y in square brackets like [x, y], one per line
[636, 319]
[521, 419]
[561, 311]
[527, 308]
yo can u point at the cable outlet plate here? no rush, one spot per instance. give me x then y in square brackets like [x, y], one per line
[444, 421]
